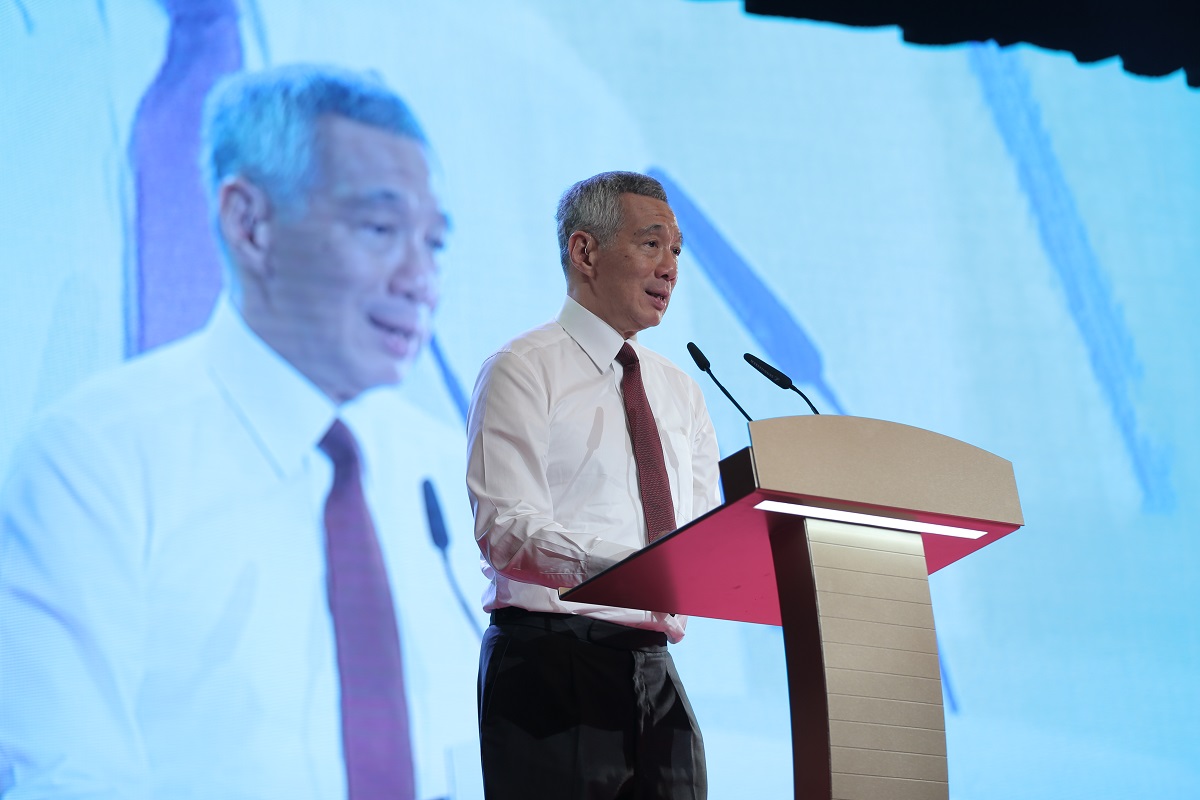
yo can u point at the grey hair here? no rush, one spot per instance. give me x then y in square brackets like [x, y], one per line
[594, 207]
[262, 125]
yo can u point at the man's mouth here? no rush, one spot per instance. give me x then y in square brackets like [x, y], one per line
[400, 339]
[659, 299]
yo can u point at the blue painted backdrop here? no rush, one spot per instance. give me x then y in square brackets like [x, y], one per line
[997, 245]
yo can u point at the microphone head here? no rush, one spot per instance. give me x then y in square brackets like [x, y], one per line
[698, 357]
[433, 515]
[773, 375]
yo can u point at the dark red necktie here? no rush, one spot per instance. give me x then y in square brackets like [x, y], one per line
[653, 484]
[375, 737]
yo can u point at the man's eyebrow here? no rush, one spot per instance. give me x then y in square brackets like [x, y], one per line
[377, 197]
[656, 228]
[388, 197]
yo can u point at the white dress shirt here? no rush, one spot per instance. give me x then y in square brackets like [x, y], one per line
[550, 466]
[164, 631]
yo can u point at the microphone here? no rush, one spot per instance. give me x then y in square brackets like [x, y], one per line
[778, 378]
[704, 366]
[441, 540]
[700, 359]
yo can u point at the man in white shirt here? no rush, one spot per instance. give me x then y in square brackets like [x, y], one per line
[179, 577]
[569, 472]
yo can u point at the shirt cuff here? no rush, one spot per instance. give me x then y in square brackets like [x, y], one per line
[604, 554]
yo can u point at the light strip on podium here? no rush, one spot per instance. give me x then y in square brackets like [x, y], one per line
[857, 518]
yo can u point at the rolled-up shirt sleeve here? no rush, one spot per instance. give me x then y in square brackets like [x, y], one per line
[508, 438]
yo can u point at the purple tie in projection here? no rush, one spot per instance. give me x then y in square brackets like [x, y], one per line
[178, 268]
[375, 737]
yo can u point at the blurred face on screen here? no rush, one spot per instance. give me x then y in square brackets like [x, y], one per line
[631, 279]
[348, 282]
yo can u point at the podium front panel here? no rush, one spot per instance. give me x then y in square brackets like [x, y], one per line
[717, 566]
[887, 736]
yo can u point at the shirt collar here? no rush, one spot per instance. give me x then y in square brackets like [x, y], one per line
[597, 338]
[284, 411]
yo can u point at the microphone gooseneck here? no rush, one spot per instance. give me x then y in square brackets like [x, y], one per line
[705, 367]
[778, 378]
[441, 540]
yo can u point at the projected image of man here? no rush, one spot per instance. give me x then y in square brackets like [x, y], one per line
[584, 446]
[198, 591]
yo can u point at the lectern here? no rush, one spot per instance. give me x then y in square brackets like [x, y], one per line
[830, 527]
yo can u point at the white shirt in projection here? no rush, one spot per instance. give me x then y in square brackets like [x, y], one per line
[550, 464]
[163, 622]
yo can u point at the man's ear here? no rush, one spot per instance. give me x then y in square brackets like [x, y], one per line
[581, 252]
[244, 219]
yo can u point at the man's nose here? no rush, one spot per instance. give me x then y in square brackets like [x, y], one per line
[668, 268]
[415, 276]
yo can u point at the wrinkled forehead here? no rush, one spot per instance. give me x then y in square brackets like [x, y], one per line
[345, 150]
[645, 216]
[372, 168]
[641, 211]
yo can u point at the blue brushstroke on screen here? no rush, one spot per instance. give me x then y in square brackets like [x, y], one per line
[253, 11]
[950, 702]
[1009, 95]
[453, 385]
[26, 18]
[752, 302]
[102, 15]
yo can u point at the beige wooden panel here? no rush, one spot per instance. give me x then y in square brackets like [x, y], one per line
[876, 659]
[884, 464]
[859, 559]
[887, 711]
[887, 587]
[876, 634]
[882, 678]
[888, 764]
[857, 787]
[860, 683]
[888, 737]
[835, 605]
[866, 537]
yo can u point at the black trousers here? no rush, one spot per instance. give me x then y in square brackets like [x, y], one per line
[571, 708]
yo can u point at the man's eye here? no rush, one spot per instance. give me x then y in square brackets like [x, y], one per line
[380, 228]
[677, 250]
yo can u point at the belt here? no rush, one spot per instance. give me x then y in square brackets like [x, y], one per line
[587, 629]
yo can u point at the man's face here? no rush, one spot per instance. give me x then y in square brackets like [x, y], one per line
[636, 272]
[351, 280]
